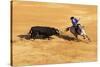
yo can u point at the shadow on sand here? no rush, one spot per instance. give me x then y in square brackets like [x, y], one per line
[66, 37]
[27, 37]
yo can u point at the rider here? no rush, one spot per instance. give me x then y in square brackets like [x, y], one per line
[74, 22]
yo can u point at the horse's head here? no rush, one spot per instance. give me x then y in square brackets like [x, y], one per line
[67, 29]
[81, 29]
[80, 26]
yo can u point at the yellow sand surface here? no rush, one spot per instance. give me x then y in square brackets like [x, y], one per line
[57, 50]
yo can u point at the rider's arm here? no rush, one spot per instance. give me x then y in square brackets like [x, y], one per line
[78, 19]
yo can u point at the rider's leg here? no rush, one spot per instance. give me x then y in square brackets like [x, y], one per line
[76, 27]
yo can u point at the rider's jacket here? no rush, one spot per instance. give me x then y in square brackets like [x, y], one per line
[74, 22]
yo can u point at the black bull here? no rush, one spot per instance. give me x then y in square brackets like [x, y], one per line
[44, 32]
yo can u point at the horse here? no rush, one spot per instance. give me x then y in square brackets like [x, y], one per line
[80, 31]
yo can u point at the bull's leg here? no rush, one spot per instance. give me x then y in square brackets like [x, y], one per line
[33, 36]
[47, 37]
[37, 35]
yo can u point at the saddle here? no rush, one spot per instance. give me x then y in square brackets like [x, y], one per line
[77, 29]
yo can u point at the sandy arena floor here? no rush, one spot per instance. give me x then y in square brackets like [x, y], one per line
[56, 50]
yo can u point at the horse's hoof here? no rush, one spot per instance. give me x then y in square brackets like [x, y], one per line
[83, 38]
[77, 40]
[89, 40]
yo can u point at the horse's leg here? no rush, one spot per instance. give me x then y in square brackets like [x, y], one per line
[83, 36]
[76, 36]
[88, 38]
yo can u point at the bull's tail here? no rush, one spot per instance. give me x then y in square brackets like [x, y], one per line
[30, 31]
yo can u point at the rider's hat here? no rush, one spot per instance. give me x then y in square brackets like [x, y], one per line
[72, 17]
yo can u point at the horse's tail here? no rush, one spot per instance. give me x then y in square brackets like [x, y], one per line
[67, 29]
